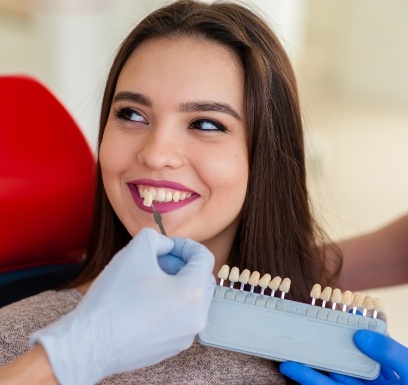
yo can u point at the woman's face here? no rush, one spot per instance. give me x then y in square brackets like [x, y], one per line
[176, 127]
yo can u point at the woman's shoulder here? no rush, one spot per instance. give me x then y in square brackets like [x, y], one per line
[200, 365]
[20, 319]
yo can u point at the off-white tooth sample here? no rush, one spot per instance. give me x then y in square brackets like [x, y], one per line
[285, 285]
[347, 298]
[316, 291]
[244, 277]
[274, 284]
[336, 296]
[223, 273]
[368, 302]
[326, 294]
[169, 196]
[234, 274]
[161, 195]
[176, 196]
[264, 281]
[378, 305]
[254, 278]
[148, 199]
[357, 300]
[153, 192]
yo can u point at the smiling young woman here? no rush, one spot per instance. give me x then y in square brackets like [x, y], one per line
[201, 110]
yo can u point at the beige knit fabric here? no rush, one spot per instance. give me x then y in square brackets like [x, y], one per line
[197, 365]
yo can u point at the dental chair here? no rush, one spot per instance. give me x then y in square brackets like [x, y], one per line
[46, 190]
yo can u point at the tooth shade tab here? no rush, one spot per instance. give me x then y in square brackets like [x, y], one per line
[285, 287]
[346, 299]
[163, 195]
[378, 306]
[274, 284]
[234, 275]
[326, 294]
[223, 274]
[316, 291]
[335, 298]
[368, 302]
[264, 281]
[254, 278]
[244, 277]
[148, 199]
[357, 300]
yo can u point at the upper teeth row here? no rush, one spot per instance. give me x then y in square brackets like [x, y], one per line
[163, 195]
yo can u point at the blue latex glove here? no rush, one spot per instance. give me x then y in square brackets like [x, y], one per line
[134, 314]
[392, 356]
[171, 264]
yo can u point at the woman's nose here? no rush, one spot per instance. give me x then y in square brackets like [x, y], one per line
[161, 149]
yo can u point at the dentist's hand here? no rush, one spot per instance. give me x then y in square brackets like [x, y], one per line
[392, 356]
[134, 314]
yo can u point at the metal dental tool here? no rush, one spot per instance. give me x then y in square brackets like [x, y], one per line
[158, 219]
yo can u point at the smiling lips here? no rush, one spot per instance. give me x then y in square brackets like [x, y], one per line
[167, 196]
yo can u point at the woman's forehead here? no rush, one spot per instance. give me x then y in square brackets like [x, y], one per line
[187, 67]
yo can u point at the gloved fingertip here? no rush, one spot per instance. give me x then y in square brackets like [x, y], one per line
[170, 264]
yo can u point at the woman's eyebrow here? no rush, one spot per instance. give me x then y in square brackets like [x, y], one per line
[133, 96]
[209, 106]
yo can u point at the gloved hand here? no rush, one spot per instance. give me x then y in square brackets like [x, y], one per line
[134, 314]
[392, 356]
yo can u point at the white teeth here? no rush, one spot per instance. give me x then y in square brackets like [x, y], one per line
[154, 193]
[169, 196]
[162, 195]
[176, 196]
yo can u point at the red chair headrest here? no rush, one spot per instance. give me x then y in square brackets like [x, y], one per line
[46, 178]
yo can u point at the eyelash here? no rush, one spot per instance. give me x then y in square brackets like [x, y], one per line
[126, 113]
[219, 126]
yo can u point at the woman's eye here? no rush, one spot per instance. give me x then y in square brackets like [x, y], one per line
[129, 114]
[207, 125]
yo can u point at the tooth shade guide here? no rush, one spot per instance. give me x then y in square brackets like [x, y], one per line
[264, 282]
[285, 287]
[315, 293]
[233, 276]
[244, 278]
[223, 274]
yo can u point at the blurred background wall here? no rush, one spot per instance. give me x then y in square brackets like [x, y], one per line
[351, 59]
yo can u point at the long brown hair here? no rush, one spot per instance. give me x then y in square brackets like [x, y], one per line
[276, 234]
